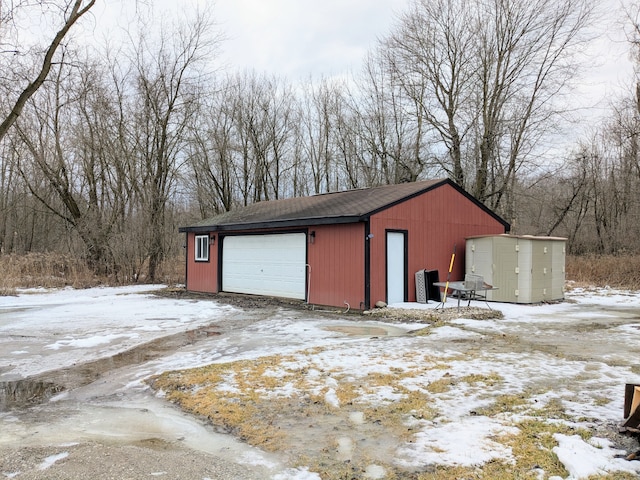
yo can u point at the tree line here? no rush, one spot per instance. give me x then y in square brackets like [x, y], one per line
[109, 149]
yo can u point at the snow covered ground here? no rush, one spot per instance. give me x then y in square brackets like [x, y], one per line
[45, 330]
[579, 353]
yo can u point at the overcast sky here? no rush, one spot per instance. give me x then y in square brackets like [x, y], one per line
[297, 39]
[290, 38]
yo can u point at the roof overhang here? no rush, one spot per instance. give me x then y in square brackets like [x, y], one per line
[276, 224]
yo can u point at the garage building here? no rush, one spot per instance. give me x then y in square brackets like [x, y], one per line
[351, 248]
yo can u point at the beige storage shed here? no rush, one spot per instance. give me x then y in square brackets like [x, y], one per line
[524, 268]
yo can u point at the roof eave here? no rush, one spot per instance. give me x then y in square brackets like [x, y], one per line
[274, 224]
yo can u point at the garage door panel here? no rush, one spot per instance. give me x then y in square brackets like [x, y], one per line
[265, 265]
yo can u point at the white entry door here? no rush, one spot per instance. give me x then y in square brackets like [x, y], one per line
[396, 267]
[271, 265]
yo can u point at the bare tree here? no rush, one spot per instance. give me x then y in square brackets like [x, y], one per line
[70, 11]
[263, 126]
[558, 202]
[66, 168]
[212, 152]
[24, 225]
[431, 56]
[167, 80]
[485, 73]
[317, 113]
[105, 142]
[391, 125]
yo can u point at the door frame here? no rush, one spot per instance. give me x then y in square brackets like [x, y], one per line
[405, 266]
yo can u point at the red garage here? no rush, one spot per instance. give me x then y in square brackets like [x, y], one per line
[344, 248]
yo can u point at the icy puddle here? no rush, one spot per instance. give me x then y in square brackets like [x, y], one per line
[368, 330]
[38, 388]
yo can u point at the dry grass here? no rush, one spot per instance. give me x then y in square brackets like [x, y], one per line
[445, 383]
[242, 397]
[433, 317]
[48, 270]
[619, 271]
[236, 396]
[54, 270]
[236, 408]
[532, 449]
[57, 270]
[615, 476]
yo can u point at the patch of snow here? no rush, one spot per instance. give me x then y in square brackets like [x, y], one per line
[229, 385]
[71, 323]
[582, 459]
[345, 449]
[375, 472]
[89, 342]
[49, 461]
[301, 473]
[256, 457]
[465, 443]
[449, 333]
[357, 418]
[331, 398]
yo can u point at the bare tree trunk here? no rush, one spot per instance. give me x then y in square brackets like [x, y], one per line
[72, 11]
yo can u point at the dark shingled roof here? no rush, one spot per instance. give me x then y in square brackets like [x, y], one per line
[337, 207]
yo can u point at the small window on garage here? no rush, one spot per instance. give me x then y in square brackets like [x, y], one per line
[202, 248]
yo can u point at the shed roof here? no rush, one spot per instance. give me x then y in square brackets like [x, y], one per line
[348, 206]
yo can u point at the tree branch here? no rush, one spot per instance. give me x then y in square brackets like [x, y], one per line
[77, 11]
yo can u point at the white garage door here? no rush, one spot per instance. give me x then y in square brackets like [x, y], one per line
[265, 264]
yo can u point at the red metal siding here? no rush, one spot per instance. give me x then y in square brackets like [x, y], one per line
[435, 222]
[202, 276]
[336, 258]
